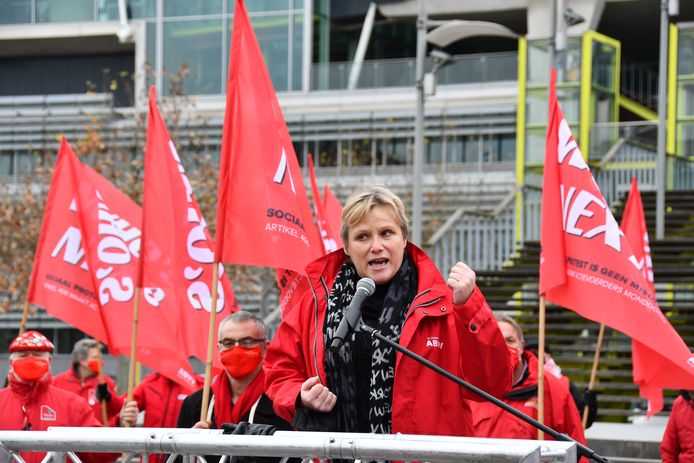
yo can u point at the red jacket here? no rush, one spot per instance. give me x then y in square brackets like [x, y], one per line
[70, 381]
[560, 411]
[464, 340]
[45, 405]
[678, 440]
[160, 399]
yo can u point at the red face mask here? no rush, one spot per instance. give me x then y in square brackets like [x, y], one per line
[30, 369]
[94, 365]
[240, 362]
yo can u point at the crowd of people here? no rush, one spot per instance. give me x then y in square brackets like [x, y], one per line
[299, 380]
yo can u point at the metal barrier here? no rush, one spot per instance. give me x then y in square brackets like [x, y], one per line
[65, 442]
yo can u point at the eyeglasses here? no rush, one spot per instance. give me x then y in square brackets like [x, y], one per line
[246, 343]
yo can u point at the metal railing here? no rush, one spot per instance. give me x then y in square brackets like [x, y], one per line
[480, 68]
[483, 239]
[66, 442]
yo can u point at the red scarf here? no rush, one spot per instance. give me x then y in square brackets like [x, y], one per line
[224, 410]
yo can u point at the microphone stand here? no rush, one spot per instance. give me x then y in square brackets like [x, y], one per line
[582, 449]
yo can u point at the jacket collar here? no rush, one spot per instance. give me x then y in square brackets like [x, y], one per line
[329, 265]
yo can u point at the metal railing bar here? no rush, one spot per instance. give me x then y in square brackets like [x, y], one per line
[612, 152]
[295, 444]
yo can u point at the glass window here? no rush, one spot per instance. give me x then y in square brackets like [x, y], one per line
[536, 110]
[138, 9]
[299, 151]
[361, 152]
[685, 60]
[686, 139]
[264, 5]
[15, 11]
[499, 147]
[454, 149]
[192, 7]
[603, 65]
[433, 150]
[569, 62]
[64, 10]
[192, 55]
[26, 162]
[395, 150]
[538, 69]
[471, 148]
[108, 10]
[272, 33]
[535, 146]
[685, 104]
[569, 100]
[6, 163]
[507, 147]
[327, 153]
[297, 52]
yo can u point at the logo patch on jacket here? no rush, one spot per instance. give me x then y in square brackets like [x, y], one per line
[47, 413]
[433, 341]
[532, 403]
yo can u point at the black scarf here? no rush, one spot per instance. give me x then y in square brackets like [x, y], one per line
[339, 366]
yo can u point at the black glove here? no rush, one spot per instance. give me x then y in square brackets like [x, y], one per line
[591, 401]
[102, 393]
[249, 429]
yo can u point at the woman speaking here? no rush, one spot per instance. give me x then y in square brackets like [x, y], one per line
[365, 385]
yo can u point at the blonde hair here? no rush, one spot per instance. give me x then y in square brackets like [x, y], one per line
[365, 198]
[502, 317]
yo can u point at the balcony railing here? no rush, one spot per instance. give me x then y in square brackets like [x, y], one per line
[401, 72]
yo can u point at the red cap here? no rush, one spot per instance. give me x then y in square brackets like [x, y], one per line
[31, 340]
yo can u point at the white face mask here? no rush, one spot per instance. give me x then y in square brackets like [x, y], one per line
[552, 368]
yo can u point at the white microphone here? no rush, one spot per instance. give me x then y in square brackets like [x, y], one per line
[365, 288]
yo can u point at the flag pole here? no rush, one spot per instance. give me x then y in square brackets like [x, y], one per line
[594, 371]
[25, 316]
[104, 411]
[210, 344]
[133, 347]
[540, 368]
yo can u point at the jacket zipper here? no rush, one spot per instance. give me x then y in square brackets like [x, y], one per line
[424, 304]
[315, 330]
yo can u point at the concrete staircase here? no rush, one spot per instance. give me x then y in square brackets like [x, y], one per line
[572, 338]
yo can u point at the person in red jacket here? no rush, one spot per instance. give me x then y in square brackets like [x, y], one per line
[560, 412]
[678, 440]
[31, 403]
[366, 386]
[161, 398]
[83, 379]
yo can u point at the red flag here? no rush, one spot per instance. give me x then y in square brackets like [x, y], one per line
[643, 359]
[263, 214]
[86, 264]
[177, 250]
[328, 242]
[292, 286]
[586, 264]
[60, 279]
[333, 214]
